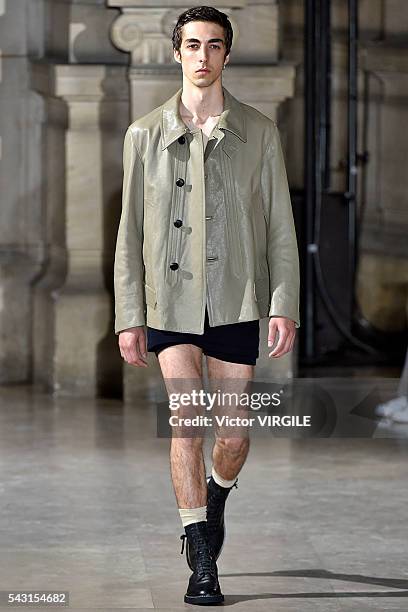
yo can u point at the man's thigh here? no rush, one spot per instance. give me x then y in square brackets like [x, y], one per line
[219, 369]
[181, 366]
[231, 384]
[181, 361]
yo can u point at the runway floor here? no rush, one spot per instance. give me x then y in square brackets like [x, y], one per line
[88, 508]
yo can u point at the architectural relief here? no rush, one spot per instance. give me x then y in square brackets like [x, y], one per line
[145, 33]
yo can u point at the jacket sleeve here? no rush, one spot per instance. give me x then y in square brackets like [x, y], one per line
[128, 266]
[282, 250]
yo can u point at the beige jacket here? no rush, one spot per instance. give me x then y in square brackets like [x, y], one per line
[197, 229]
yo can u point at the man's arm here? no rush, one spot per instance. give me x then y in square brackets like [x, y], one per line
[282, 251]
[129, 267]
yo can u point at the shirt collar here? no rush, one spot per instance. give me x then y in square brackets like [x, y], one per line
[231, 119]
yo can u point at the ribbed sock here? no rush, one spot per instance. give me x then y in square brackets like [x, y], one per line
[193, 515]
[227, 484]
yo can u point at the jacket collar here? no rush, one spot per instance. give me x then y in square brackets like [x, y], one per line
[232, 118]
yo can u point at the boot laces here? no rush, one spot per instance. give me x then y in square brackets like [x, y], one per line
[204, 557]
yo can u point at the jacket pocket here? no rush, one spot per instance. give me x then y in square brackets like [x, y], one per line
[151, 299]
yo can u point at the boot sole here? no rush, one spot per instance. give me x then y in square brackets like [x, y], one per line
[203, 600]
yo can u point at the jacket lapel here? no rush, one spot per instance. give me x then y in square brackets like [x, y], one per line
[172, 125]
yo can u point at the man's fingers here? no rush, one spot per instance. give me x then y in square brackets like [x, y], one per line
[139, 353]
[130, 350]
[142, 344]
[273, 328]
[283, 336]
[133, 357]
[283, 348]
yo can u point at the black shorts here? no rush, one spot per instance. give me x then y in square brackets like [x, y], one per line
[235, 342]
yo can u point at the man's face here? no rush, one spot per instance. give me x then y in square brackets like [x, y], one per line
[203, 46]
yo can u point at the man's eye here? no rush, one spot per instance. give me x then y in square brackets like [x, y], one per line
[195, 45]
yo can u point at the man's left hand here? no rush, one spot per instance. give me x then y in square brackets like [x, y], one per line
[286, 330]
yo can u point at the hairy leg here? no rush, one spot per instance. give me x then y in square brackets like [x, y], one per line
[181, 366]
[231, 443]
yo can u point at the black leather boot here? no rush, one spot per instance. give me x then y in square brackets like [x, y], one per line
[203, 586]
[216, 498]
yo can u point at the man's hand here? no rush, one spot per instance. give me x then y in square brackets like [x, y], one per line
[132, 344]
[286, 331]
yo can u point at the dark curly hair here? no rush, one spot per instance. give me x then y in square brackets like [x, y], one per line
[203, 13]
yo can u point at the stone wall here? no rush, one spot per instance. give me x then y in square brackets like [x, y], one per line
[21, 180]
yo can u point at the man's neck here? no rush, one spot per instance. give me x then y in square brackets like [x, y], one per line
[200, 103]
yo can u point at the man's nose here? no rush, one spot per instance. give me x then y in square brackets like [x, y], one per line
[203, 54]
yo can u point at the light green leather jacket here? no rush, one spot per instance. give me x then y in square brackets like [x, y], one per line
[196, 230]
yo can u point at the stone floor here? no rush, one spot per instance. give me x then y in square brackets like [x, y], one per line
[88, 507]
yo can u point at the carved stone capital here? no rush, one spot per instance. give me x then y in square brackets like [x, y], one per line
[146, 33]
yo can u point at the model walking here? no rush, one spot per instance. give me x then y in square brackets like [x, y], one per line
[206, 248]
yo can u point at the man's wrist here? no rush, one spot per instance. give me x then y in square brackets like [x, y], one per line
[130, 328]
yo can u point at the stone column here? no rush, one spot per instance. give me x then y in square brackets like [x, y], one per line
[21, 239]
[75, 349]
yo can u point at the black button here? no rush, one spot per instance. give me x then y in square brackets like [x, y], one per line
[174, 266]
[178, 223]
[182, 140]
[179, 182]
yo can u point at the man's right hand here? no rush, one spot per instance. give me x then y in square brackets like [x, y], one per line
[132, 344]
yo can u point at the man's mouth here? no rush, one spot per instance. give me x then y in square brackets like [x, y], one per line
[203, 70]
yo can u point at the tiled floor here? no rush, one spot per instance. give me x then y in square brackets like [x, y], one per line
[88, 507]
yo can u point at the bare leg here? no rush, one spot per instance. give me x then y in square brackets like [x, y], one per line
[230, 449]
[184, 361]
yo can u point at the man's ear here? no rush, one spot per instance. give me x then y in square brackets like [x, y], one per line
[226, 60]
[177, 55]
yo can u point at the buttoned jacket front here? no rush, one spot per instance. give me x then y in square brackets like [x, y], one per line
[202, 229]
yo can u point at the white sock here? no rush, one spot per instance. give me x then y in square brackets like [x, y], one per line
[193, 515]
[227, 484]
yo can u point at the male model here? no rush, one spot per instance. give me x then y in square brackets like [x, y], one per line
[206, 248]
